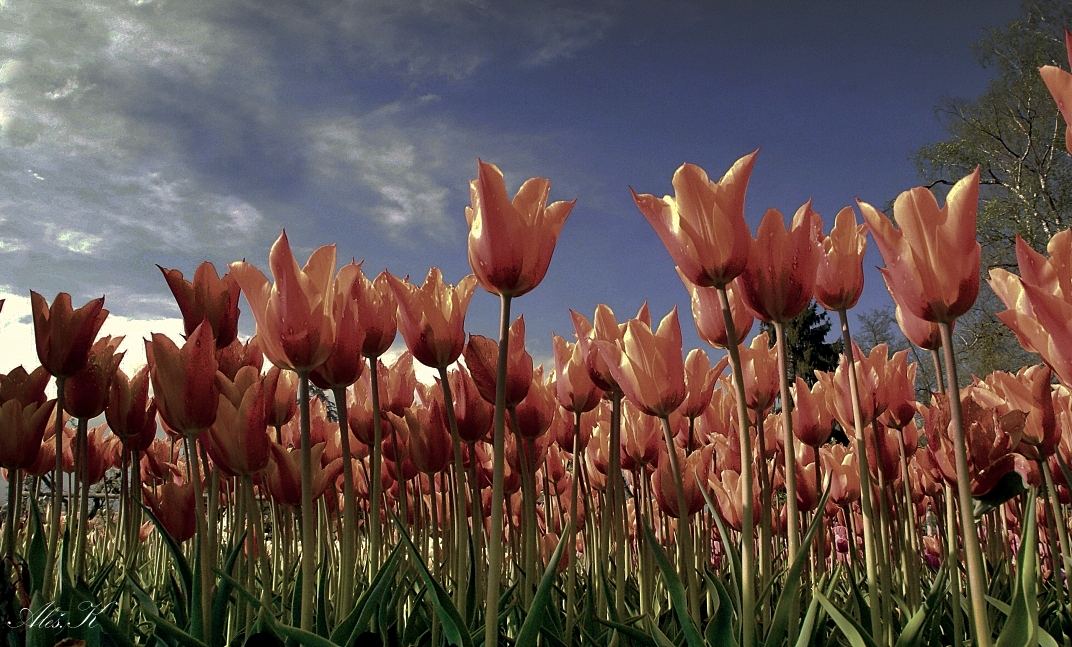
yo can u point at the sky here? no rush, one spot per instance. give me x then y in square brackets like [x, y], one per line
[143, 132]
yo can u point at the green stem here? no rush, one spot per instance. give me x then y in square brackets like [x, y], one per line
[865, 478]
[684, 523]
[495, 548]
[1059, 521]
[349, 514]
[308, 516]
[206, 574]
[374, 479]
[57, 494]
[571, 576]
[748, 556]
[461, 519]
[81, 471]
[617, 506]
[973, 555]
[789, 443]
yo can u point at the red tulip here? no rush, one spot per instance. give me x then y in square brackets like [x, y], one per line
[429, 438]
[64, 336]
[184, 380]
[703, 225]
[432, 317]
[511, 243]
[536, 412]
[174, 507]
[236, 355]
[25, 387]
[346, 362]
[85, 394]
[778, 282]
[22, 429]
[377, 307]
[238, 440]
[131, 413]
[295, 325]
[932, 261]
[208, 297]
[284, 406]
[920, 332]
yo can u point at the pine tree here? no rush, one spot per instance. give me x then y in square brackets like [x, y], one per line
[806, 345]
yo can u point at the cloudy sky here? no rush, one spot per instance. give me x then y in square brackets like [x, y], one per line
[143, 132]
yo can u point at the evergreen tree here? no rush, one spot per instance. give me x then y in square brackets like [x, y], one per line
[806, 345]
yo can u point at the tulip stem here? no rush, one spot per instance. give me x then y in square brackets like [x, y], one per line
[1062, 526]
[617, 507]
[571, 577]
[349, 522]
[308, 512]
[57, 493]
[461, 518]
[13, 486]
[789, 442]
[972, 552]
[495, 548]
[82, 476]
[865, 476]
[748, 548]
[684, 524]
[374, 479]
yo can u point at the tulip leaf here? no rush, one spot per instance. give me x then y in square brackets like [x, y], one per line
[633, 634]
[661, 639]
[912, 635]
[358, 620]
[719, 629]
[853, 631]
[186, 575]
[223, 593]
[454, 628]
[678, 599]
[530, 629]
[1021, 627]
[38, 549]
[780, 621]
[322, 603]
[301, 637]
[808, 628]
[295, 605]
[38, 634]
[470, 590]
[168, 629]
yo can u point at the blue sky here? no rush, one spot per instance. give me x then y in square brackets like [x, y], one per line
[175, 131]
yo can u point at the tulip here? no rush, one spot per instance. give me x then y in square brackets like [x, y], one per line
[184, 380]
[537, 411]
[648, 365]
[208, 297]
[238, 440]
[932, 261]
[779, 280]
[760, 371]
[920, 332]
[130, 412]
[812, 420]
[86, 392]
[703, 225]
[377, 307]
[22, 430]
[429, 437]
[174, 508]
[511, 242]
[707, 312]
[284, 475]
[345, 363]
[25, 387]
[574, 388]
[432, 317]
[284, 384]
[839, 278]
[1059, 83]
[481, 355]
[236, 355]
[840, 462]
[663, 487]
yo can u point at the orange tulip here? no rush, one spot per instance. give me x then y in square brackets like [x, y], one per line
[184, 380]
[1039, 301]
[574, 388]
[778, 282]
[840, 461]
[537, 411]
[174, 507]
[283, 474]
[1059, 83]
[295, 325]
[642, 439]
[397, 384]
[346, 362]
[284, 406]
[839, 279]
[208, 297]
[429, 438]
[812, 420]
[377, 307]
[130, 412]
[236, 355]
[432, 317]
[85, 394]
[64, 336]
[693, 467]
[759, 365]
[924, 334]
[703, 225]
[932, 260]
[511, 243]
[648, 366]
[238, 440]
[707, 312]
[482, 356]
[607, 329]
[22, 430]
[700, 379]
[472, 413]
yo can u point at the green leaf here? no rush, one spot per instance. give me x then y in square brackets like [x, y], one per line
[636, 635]
[453, 626]
[223, 593]
[186, 574]
[660, 638]
[322, 603]
[530, 629]
[358, 620]
[678, 599]
[780, 622]
[853, 631]
[168, 629]
[719, 629]
[38, 635]
[1021, 628]
[912, 634]
[38, 549]
[303, 638]
[808, 628]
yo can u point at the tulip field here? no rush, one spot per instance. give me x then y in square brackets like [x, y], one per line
[293, 489]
